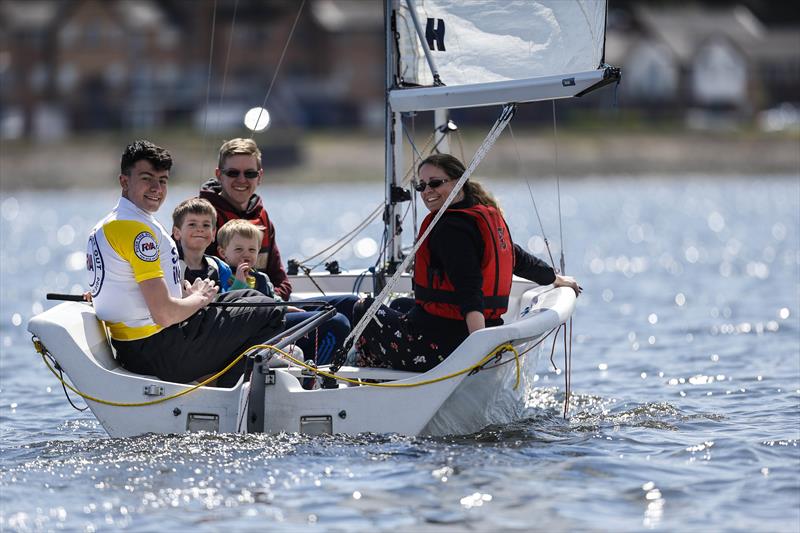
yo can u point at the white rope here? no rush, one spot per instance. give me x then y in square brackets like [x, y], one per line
[505, 117]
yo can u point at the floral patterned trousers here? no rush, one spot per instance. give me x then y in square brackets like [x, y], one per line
[392, 340]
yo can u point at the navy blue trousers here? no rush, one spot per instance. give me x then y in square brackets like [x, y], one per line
[321, 344]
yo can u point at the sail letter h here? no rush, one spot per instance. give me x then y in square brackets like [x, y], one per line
[435, 34]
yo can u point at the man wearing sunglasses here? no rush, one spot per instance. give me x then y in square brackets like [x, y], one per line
[232, 192]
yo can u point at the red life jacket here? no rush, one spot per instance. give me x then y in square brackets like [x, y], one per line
[435, 293]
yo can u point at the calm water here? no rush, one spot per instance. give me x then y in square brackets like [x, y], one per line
[686, 366]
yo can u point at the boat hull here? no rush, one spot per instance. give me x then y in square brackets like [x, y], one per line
[444, 400]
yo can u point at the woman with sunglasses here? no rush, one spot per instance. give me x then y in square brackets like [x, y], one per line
[232, 192]
[462, 275]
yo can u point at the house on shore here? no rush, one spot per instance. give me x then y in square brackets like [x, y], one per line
[719, 65]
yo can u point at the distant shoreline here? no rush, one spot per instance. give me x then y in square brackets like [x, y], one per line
[93, 162]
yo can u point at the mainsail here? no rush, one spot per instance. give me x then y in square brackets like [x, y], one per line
[488, 52]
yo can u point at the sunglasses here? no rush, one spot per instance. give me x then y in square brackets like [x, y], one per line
[435, 183]
[234, 173]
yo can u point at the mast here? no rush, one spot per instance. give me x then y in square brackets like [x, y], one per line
[441, 139]
[393, 155]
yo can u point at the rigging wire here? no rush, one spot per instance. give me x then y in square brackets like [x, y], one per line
[530, 192]
[208, 88]
[417, 156]
[558, 187]
[225, 67]
[405, 214]
[63, 384]
[461, 144]
[278, 67]
[349, 235]
[495, 356]
[410, 138]
[567, 329]
[568, 364]
[343, 241]
[407, 178]
[567, 351]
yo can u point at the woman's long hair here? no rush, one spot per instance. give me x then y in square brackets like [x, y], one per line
[454, 170]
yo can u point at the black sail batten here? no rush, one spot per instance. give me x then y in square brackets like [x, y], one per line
[610, 75]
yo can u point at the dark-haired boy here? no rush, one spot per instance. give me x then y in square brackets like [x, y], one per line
[194, 224]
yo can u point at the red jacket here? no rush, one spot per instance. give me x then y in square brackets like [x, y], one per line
[256, 214]
[435, 293]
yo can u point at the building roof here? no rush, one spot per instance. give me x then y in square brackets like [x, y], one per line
[778, 44]
[29, 15]
[140, 14]
[33, 15]
[684, 28]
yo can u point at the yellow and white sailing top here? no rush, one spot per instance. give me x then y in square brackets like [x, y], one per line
[127, 247]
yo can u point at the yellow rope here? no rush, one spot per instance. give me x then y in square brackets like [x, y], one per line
[41, 349]
[500, 349]
[492, 354]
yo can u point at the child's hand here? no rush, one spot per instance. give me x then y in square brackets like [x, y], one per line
[205, 289]
[242, 270]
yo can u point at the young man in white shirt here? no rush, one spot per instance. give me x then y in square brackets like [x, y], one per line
[158, 327]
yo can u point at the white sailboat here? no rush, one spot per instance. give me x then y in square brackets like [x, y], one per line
[440, 54]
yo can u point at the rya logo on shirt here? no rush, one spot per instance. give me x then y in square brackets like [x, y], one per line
[94, 264]
[145, 247]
